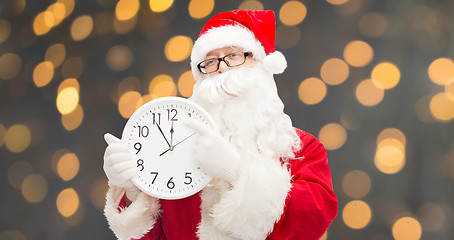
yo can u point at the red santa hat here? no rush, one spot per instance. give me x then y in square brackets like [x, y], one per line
[253, 31]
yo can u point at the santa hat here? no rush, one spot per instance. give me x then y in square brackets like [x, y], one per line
[253, 31]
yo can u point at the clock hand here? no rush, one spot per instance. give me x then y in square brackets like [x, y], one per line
[184, 139]
[171, 136]
[163, 135]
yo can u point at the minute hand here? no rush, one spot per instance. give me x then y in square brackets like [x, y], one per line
[184, 139]
[163, 135]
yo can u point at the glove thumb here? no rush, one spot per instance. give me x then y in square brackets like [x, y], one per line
[109, 138]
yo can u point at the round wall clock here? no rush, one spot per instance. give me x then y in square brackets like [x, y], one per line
[162, 147]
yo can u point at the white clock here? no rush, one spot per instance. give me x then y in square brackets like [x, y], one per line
[162, 147]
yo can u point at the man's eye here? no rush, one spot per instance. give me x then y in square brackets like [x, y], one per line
[211, 62]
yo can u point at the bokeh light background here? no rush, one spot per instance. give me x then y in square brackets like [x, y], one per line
[372, 79]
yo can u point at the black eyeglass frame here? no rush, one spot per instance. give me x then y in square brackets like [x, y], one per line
[245, 54]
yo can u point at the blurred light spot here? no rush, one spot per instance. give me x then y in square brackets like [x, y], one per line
[81, 27]
[447, 164]
[162, 86]
[292, 13]
[337, 2]
[392, 133]
[67, 100]
[349, 7]
[127, 84]
[69, 82]
[390, 156]
[67, 202]
[160, 5]
[146, 98]
[358, 53]
[43, 23]
[103, 22]
[200, 8]
[251, 5]
[372, 25]
[441, 71]
[12, 235]
[407, 228]
[5, 30]
[186, 84]
[119, 58]
[332, 136]
[2, 134]
[356, 214]
[55, 54]
[37, 130]
[312, 91]
[98, 192]
[43, 73]
[10, 66]
[178, 48]
[356, 184]
[55, 158]
[17, 172]
[122, 27]
[432, 217]
[128, 103]
[422, 18]
[13, 8]
[77, 217]
[422, 109]
[385, 75]
[368, 94]
[287, 37]
[126, 9]
[69, 6]
[58, 11]
[442, 107]
[334, 71]
[72, 68]
[34, 188]
[449, 89]
[73, 120]
[17, 138]
[68, 166]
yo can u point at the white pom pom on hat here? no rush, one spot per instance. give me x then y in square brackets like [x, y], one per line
[253, 31]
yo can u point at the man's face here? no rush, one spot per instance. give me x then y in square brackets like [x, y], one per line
[222, 52]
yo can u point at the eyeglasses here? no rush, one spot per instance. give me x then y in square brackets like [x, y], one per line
[232, 60]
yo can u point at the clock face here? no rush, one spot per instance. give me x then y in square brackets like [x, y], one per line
[163, 146]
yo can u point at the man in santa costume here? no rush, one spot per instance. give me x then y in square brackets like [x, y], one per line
[271, 180]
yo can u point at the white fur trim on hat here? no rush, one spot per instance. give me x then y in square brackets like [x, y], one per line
[275, 62]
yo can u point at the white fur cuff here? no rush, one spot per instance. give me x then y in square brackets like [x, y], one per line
[133, 221]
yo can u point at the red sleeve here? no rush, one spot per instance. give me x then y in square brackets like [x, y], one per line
[311, 205]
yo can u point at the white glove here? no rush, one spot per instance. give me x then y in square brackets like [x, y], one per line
[119, 167]
[213, 153]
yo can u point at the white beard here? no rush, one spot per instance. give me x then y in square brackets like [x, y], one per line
[248, 111]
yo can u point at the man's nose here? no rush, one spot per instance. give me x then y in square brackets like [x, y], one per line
[223, 67]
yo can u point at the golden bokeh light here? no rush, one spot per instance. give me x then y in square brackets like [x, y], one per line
[162, 86]
[441, 71]
[122, 27]
[72, 67]
[432, 217]
[55, 54]
[98, 192]
[368, 94]
[119, 58]
[17, 138]
[292, 13]
[129, 103]
[332, 136]
[10, 66]
[407, 228]
[160, 5]
[390, 156]
[67, 202]
[58, 11]
[17, 172]
[200, 8]
[442, 107]
[125, 85]
[5, 30]
[34, 188]
[73, 120]
[356, 184]
[334, 71]
[67, 100]
[392, 133]
[447, 164]
[357, 214]
[69, 6]
[312, 91]
[372, 25]
[68, 166]
[126, 9]
[186, 84]
[358, 53]
[385, 75]
[56, 157]
[337, 2]
[67, 83]
[43, 23]
[12, 235]
[347, 7]
[178, 48]
[251, 5]
[449, 89]
[81, 27]
[43, 73]
[422, 109]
